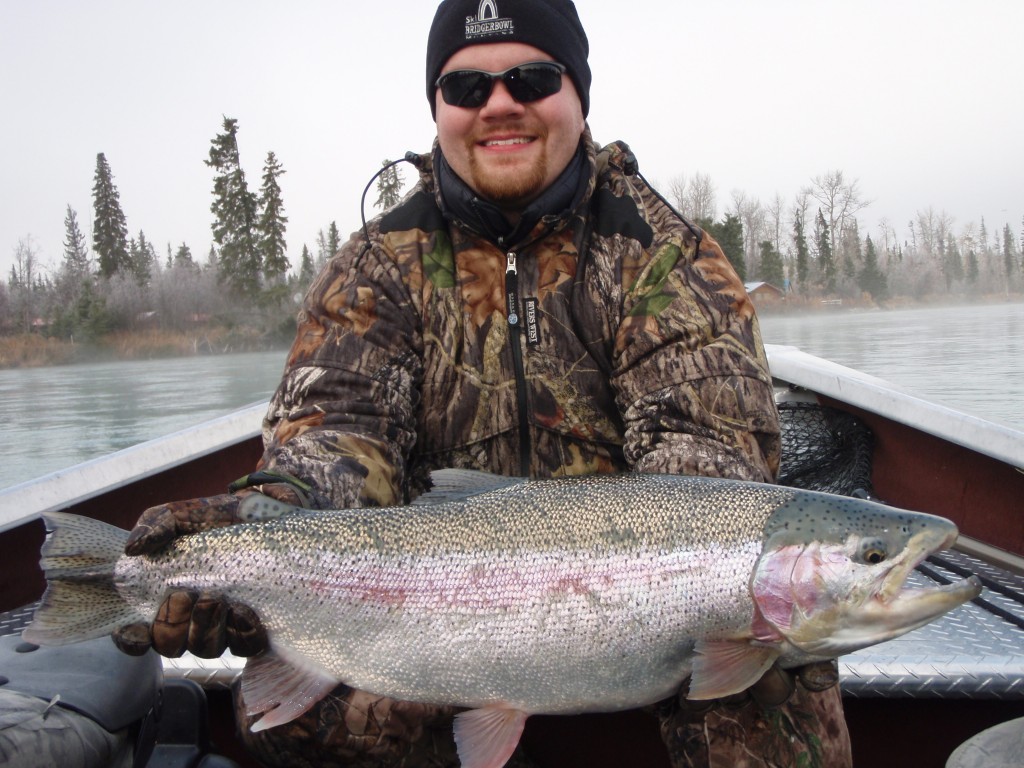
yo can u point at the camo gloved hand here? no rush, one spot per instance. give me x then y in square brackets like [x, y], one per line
[355, 729]
[793, 715]
[202, 623]
[777, 685]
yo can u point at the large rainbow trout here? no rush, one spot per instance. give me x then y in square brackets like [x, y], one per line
[517, 597]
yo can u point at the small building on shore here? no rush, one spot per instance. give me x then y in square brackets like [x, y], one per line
[765, 294]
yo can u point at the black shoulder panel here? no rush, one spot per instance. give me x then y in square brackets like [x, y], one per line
[614, 215]
[418, 212]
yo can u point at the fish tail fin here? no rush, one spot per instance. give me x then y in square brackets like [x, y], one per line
[81, 601]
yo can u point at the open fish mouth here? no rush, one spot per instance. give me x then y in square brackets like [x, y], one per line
[931, 602]
[891, 613]
[892, 606]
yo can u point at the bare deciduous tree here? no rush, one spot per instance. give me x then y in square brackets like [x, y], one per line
[677, 193]
[751, 214]
[695, 198]
[839, 200]
[700, 197]
[25, 278]
[774, 212]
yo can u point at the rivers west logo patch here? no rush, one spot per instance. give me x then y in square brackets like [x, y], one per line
[488, 23]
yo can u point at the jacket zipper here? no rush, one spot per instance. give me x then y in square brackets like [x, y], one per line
[512, 309]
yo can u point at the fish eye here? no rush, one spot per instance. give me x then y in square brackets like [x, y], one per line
[873, 551]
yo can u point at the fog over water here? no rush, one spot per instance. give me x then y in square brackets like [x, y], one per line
[968, 357]
[56, 417]
[971, 358]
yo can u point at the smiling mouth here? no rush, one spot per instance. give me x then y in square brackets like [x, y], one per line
[506, 142]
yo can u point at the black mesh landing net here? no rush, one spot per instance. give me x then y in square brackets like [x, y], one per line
[824, 449]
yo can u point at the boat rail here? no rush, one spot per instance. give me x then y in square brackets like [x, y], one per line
[64, 488]
[793, 367]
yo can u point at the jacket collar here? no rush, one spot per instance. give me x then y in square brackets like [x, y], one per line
[555, 206]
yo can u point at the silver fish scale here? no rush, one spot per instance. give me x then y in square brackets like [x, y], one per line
[553, 593]
[969, 652]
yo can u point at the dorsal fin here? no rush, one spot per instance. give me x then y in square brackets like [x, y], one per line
[461, 484]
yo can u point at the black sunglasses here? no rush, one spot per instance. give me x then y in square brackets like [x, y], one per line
[471, 88]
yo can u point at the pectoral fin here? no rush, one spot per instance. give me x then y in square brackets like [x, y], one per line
[281, 689]
[724, 667]
[486, 738]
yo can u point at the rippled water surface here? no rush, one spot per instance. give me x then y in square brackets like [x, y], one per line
[56, 417]
[971, 358]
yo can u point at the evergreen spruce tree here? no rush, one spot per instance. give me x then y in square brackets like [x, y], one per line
[76, 255]
[333, 240]
[389, 187]
[772, 270]
[306, 269]
[75, 269]
[272, 224]
[142, 257]
[803, 255]
[234, 211]
[871, 278]
[826, 262]
[729, 235]
[1009, 262]
[973, 268]
[183, 257]
[110, 230]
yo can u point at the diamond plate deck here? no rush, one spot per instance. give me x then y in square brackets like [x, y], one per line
[971, 652]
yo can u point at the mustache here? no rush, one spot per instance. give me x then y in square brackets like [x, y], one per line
[507, 130]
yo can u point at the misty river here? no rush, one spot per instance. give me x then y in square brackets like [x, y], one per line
[968, 357]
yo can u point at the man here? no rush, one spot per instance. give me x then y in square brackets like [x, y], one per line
[532, 307]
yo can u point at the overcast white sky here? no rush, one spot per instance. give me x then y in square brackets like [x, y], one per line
[921, 101]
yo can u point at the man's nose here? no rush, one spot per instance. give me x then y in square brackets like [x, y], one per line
[500, 102]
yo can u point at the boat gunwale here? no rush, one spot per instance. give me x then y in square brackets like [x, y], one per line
[23, 503]
[791, 366]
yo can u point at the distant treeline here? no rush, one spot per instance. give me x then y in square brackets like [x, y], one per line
[811, 248]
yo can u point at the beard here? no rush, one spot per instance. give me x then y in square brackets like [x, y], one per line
[508, 184]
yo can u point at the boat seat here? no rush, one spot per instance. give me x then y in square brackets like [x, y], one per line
[1001, 746]
[77, 705]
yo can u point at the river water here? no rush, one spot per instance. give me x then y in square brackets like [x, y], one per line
[968, 357]
[56, 417]
[971, 358]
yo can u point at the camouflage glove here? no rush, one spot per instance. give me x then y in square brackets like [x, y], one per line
[354, 729]
[160, 525]
[203, 624]
[789, 717]
[777, 685]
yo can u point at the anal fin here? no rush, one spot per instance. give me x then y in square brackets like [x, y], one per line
[282, 690]
[486, 738]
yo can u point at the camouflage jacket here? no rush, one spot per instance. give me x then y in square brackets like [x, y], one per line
[612, 337]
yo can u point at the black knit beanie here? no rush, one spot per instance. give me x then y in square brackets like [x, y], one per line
[551, 25]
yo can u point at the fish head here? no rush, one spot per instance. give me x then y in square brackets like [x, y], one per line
[832, 574]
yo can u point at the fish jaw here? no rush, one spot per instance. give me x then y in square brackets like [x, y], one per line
[826, 599]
